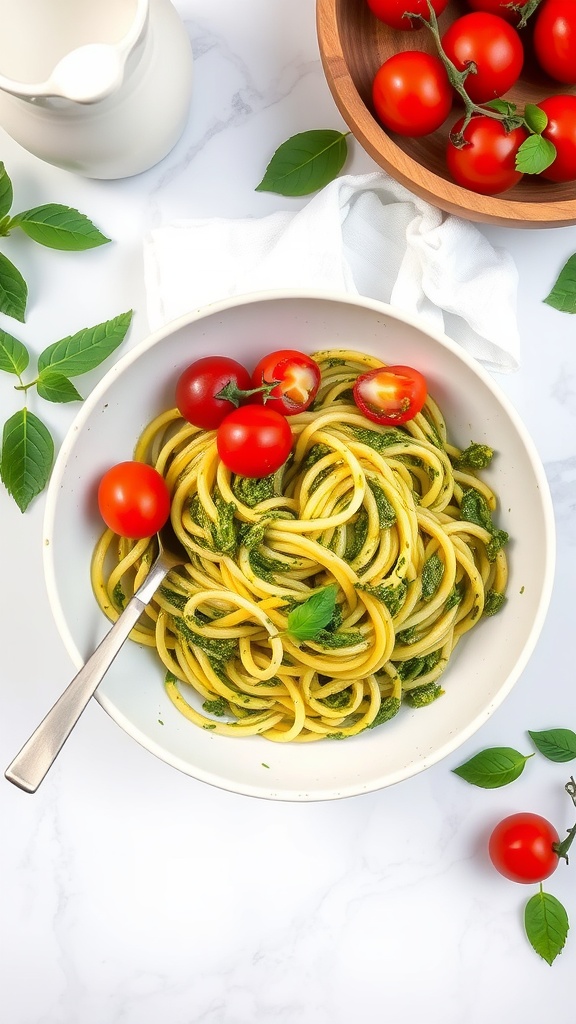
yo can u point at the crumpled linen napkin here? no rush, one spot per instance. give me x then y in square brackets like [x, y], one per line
[363, 234]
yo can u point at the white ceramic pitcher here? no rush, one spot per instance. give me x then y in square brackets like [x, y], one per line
[99, 87]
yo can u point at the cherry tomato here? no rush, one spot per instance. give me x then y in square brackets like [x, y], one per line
[555, 39]
[521, 847]
[490, 43]
[390, 394]
[134, 500]
[561, 130]
[411, 93]
[298, 379]
[254, 440]
[487, 163]
[391, 12]
[199, 384]
[501, 7]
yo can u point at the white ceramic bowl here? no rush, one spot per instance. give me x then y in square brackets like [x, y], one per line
[486, 664]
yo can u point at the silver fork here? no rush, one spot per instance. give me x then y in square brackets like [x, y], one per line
[32, 763]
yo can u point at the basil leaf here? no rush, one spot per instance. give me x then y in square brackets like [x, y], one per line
[88, 348]
[59, 227]
[55, 387]
[6, 194]
[13, 290]
[305, 163]
[27, 454]
[14, 356]
[535, 117]
[546, 924]
[308, 618]
[563, 294]
[493, 767]
[535, 155]
[556, 744]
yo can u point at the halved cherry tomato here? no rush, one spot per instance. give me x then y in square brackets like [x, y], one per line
[254, 440]
[411, 93]
[201, 382]
[392, 12]
[522, 847]
[134, 500]
[298, 379]
[390, 394]
[493, 46]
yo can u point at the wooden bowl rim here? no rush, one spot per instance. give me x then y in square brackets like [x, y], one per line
[400, 165]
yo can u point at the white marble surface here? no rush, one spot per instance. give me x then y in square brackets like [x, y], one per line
[132, 894]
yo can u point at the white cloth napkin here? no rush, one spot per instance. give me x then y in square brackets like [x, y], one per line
[364, 234]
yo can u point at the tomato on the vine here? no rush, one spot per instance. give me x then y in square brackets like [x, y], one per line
[522, 847]
[134, 500]
[555, 39]
[390, 395]
[561, 131]
[503, 8]
[298, 379]
[487, 162]
[392, 12]
[493, 46]
[200, 383]
[254, 440]
[411, 93]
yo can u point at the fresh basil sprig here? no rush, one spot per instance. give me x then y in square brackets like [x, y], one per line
[307, 619]
[27, 449]
[305, 163]
[493, 767]
[563, 294]
[52, 225]
[546, 925]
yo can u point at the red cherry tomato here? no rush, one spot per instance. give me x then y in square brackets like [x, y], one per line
[411, 93]
[561, 130]
[298, 379]
[487, 163]
[490, 43]
[134, 500]
[521, 847]
[391, 12]
[390, 394]
[503, 8]
[555, 39]
[254, 440]
[199, 384]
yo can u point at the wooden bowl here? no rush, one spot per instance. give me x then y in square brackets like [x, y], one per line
[354, 43]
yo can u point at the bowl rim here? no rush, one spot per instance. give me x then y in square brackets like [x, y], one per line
[441, 192]
[153, 339]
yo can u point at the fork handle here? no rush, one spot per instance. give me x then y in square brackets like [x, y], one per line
[39, 752]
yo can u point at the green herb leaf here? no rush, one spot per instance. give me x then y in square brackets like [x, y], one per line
[13, 290]
[88, 348]
[308, 618]
[493, 767]
[502, 106]
[535, 118]
[556, 744]
[305, 163]
[6, 194]
[27, 454]
[14, 356]
[55, 387]
[563, 294]
[546, 924]
[535, 155]
[59, 227]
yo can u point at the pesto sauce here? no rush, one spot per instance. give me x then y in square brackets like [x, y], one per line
[421, 696]
[386, 511]
[432, 574]
[389, 707]
[392, 595]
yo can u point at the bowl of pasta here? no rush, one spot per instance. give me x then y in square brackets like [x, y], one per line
[378, 584]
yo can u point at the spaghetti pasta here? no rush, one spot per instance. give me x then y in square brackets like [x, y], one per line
[396, 517]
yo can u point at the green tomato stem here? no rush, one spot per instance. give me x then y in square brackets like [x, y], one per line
[562, 848]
